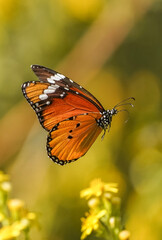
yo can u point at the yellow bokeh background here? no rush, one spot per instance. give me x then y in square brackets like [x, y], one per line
[113, 49]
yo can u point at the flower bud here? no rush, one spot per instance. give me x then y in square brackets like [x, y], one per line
[93, 202]
[108, 195]
[112, 222]
[31, 216]
[15, 204]
[124, 235]
[3, 177]
[6, 186]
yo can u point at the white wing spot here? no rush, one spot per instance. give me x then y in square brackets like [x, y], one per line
[53, 86]
[76, 92]
[48, 102]
[62, 94]
[56, 77]
[71, 80]
[80, 86]
[51, 89]
[43, 96]
[66, 88]
[50, 80]
[47, 91]
[60, 75]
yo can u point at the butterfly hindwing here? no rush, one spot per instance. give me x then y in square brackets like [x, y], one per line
[71, 138]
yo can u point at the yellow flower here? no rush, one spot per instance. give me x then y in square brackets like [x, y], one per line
[23, 224]
[9, 232]
[14, 230]
[17, 209]
[91, 222]
[17, 219]
[98, 188]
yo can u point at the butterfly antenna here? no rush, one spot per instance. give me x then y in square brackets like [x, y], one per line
[126, 99]
[123, 104]
[125, 110]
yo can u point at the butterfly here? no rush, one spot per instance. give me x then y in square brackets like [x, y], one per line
[72, 116]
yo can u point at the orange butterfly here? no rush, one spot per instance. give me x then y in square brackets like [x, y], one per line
[73, 116]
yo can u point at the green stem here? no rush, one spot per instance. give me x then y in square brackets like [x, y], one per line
[108, 234]
[26, 234]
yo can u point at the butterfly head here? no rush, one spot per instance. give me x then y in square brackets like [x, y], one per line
[106, 119]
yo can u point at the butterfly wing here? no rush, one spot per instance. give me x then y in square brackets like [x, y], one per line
[71, 138]
[48, 75]
[56, 97]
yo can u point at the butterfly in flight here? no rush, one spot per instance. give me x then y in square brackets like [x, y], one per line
[72, 116]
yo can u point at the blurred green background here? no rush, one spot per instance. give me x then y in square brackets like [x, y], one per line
[112, 48]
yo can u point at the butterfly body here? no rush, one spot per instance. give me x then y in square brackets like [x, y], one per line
[72, 116]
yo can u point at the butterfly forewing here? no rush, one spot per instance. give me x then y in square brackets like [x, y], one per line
[48, 75]
[71, 138]
[56, 97]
